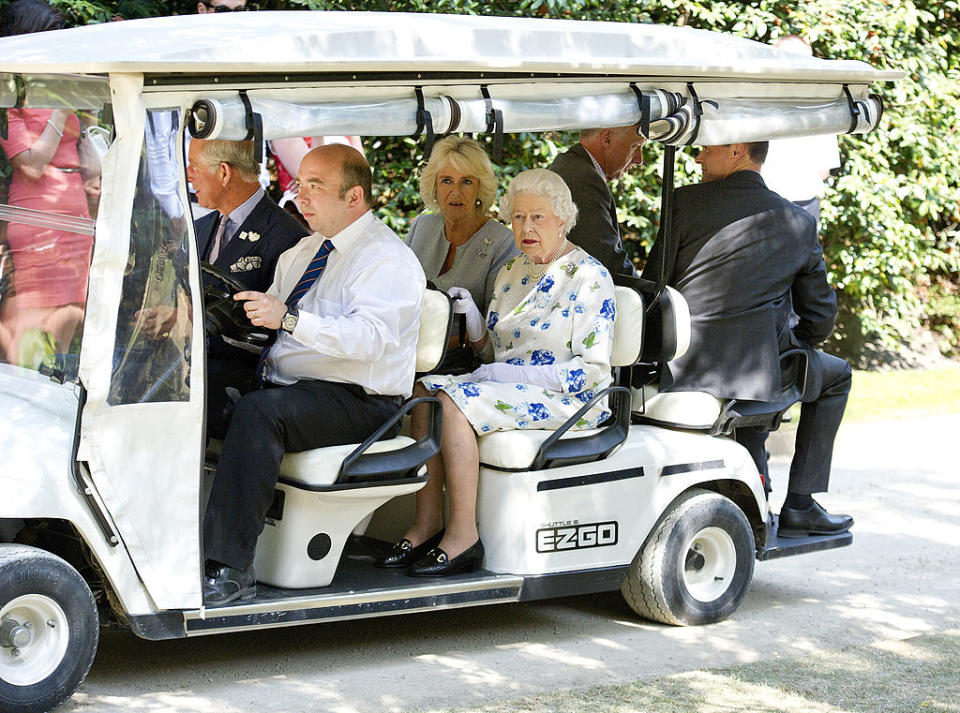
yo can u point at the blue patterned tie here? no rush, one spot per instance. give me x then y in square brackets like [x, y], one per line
[310, 275]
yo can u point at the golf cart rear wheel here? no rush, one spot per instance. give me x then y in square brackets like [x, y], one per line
[48, 629]
[697, 564]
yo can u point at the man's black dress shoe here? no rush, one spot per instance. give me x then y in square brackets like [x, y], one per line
[405, 554]
[436, 563]
[224, 584]
[794, 523]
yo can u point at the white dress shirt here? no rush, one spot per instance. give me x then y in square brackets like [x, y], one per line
[360, 321]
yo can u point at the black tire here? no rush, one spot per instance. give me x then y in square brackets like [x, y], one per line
[696, 565]
[57, 649]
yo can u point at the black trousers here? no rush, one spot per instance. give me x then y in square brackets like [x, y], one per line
[223, 373]
[265, 424]
[828, 385]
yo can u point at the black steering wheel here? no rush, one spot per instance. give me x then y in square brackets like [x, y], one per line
[225, 316]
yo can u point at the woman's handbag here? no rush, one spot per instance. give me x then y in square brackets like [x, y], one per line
[460, 359]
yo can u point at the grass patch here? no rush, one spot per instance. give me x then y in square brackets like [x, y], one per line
[918, 674]
[904, 394]
[884, 395]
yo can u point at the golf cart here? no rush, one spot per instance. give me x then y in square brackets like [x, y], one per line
[105, 456]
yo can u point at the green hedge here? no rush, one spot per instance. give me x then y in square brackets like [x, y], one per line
[889, 222]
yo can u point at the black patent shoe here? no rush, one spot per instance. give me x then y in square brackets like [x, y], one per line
[404, 554]
[436, 563]
[794, 523]
[224, 584]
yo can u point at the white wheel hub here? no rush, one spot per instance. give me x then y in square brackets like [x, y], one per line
[710, 563]
[34, 634]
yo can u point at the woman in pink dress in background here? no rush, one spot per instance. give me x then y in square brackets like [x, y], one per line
[50, 266]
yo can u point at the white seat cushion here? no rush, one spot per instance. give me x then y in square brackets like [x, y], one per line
[322, 465]
[687, 409]
[434, 318]
[515, 450]
[677, 319]
[627, 327]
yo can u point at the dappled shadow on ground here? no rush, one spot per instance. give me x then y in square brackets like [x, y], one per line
[898, 580]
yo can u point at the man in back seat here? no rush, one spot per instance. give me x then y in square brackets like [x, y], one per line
[750, 266]
[601, 155]
[346, 301]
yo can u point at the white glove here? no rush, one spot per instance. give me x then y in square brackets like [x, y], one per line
[536, 375]
[463, 304]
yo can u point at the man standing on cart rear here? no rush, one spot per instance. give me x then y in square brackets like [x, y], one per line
[751, 269]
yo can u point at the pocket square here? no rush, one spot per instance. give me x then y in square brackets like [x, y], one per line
[246, 264]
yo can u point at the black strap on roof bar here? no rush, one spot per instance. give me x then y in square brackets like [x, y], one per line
[254, 123]
[494, 124]
[643, 101]
[697, 113]
[854, 110]
[454, 115]
[424, 121]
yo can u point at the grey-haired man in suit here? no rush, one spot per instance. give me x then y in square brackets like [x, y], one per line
[602, 155]
[244, 234]
[751, 269]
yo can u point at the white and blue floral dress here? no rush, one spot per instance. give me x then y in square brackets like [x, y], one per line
[564, 319]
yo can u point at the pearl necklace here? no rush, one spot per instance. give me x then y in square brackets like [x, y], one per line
[537, 274]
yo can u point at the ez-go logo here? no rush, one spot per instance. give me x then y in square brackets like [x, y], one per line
[577, 537]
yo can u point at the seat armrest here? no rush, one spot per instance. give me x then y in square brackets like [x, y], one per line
[569, 451]
[767, 415]
[794, 368]
[400, 464]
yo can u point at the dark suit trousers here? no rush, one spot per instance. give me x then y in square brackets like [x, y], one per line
[267, 423]
[222, 373]
[828, 385]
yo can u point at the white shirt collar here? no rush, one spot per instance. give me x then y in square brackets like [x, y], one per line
[347, 238]
[596, 164]
[239, 214]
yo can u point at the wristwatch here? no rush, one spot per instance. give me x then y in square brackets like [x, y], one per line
[289, 321]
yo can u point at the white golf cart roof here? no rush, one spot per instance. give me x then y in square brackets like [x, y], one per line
[541, 74]
[402, 42]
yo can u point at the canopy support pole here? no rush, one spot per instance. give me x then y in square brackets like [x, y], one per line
[665, 234]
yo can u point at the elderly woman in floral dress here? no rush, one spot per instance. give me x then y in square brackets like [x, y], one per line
[550, 322]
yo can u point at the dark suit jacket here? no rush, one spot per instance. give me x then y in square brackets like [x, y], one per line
[747, 259]
[251, 262]
[597, 230]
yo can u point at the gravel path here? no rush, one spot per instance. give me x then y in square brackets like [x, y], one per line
[900, 579]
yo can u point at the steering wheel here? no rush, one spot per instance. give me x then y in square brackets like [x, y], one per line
[225, 316]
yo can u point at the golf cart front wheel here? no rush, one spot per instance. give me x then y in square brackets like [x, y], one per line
[48, 629]
[697, 564]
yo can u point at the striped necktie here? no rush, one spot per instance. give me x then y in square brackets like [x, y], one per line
[310, 275]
